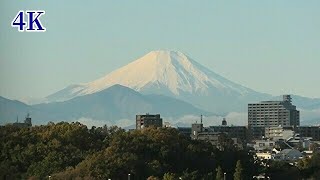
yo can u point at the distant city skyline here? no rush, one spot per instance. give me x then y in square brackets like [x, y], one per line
[270, 46]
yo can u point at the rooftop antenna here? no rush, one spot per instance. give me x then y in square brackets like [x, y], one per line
[17, 119]
[201, 118]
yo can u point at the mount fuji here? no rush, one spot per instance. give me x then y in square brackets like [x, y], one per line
[173, 74]
[165, 82]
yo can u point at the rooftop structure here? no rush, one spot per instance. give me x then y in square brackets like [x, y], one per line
[27, 122]
[212, 134]
[277, 133]
[232, 131]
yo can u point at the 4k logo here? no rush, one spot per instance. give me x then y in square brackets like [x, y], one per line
[33, 23]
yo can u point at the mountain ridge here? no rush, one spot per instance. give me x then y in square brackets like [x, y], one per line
[108, 106]
[174, 74]
[169, 73]
[170, 68]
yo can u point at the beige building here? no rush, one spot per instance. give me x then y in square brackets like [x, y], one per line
[272, 114]
[277, 133]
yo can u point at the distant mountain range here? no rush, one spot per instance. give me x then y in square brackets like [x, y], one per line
[171, 74]
[114, 103]
[166, 82]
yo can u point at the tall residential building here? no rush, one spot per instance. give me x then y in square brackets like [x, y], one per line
[148, 120]
[201, 133]
[272, 114]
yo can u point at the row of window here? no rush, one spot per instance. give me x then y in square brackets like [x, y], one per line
[264, 106]
[280, 110]
[266, 118]
[267, 115]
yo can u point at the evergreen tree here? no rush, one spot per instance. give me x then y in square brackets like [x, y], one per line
[153, 178]
[219, 175]
[238, 174]
[169, 176]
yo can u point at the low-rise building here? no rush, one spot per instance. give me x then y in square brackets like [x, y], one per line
[232, 131]
[309, 131]
[26, 123]
[280, 132]
[196, 128]
[277, 133]
[213, 133]
[297, 141]
[289, 154]
[212, 137]
[264, 145]
[185, 130]
[148, 120]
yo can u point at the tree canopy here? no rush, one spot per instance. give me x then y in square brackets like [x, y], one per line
[71, 150]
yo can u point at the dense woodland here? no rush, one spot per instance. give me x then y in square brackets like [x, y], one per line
[72, 151]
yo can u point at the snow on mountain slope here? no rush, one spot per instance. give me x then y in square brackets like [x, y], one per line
[172, 69]
[160, 72]
[66, 93]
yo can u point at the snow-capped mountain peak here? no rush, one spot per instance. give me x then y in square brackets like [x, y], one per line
[171, 69]
[159, 72]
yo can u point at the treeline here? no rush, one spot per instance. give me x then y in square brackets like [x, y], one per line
[310, 167]
[71, 151]
[306, 168]
[43, 150]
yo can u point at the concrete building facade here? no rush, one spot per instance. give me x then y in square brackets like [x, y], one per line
[277, 133]
[212, 134]
[185, 130]
[148, 120]
[309, 131]
[196, 128]
[264, 145]
[231, 131]
[272, 114]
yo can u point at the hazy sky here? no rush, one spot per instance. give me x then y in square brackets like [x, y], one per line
[270, 46]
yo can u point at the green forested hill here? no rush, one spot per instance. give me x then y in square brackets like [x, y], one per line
[72, 151]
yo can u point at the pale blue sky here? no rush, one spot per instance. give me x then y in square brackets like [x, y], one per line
[270, 46]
